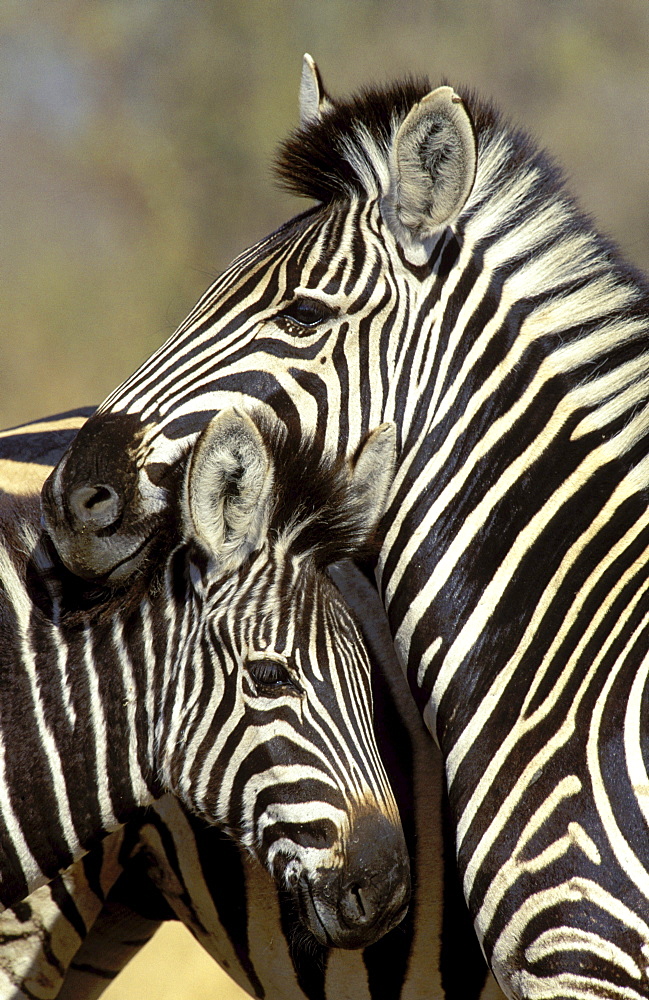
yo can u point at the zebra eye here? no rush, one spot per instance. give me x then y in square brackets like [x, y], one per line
[270, 676]
[306, 313]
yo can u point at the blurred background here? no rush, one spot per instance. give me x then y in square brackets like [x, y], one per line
[136, 141]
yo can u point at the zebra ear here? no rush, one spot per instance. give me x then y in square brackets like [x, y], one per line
[228, 488]
[313, 98]
[373, 471]
[433, 166]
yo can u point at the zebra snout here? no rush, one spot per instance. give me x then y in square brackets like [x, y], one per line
[91, 502]
[375, 896]
[354, 906]
[370, 909]
[88, 531]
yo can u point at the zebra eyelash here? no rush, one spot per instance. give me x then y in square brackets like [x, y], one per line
[271, 677]
[305, 314]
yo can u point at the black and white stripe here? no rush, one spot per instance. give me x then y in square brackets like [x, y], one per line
[233, 675]
[79, 931]
[446, 281]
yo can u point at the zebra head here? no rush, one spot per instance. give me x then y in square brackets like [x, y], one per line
[266, 712]
[315, 322]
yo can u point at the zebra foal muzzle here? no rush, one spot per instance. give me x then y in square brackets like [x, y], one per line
[354, 907]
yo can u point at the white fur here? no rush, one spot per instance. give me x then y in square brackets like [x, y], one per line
[312, 101]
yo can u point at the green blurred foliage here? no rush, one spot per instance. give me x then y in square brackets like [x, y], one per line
[137, 138]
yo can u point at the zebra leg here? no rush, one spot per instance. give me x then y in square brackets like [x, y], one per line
[128, 919]
[116, 937]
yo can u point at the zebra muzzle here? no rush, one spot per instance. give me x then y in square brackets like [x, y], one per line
[91, 507]
[354, 906]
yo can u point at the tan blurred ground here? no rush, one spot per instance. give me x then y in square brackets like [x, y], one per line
[173, 967]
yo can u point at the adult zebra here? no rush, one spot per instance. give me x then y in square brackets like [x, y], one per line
[70, 938]
[233, 675]
[445, 280]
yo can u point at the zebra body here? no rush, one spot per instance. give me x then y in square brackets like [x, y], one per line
[445, 280]
[234, 676]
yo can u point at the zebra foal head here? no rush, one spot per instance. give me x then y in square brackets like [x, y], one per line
[231, 673]
[311, 322]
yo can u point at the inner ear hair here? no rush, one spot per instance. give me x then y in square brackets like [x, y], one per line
[434, 166]
[228, 485]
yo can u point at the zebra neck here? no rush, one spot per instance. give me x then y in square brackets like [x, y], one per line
[519, 489]
[517, 588]
[75, 732]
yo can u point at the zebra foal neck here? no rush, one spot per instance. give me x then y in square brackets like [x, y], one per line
[234, 676]
[231, 905]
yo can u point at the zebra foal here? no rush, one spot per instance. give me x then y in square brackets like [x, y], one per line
[71, 937]
[233, 676]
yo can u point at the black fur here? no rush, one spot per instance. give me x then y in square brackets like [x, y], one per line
[312, 162]
[315, 503]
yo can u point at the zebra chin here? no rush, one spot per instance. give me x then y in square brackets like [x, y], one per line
[353, 905]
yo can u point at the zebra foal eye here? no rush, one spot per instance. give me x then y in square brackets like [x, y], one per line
[306, 313]
[270, 676]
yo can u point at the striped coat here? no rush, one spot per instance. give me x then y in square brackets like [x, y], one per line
[445, 280]
[87, 923]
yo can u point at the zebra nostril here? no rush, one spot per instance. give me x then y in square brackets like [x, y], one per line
[357, 893]
[96, 506]
[355, 905]
[319, 835]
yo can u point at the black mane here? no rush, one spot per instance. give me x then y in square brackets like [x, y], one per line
[330, 160]
[312, 162]
[315, 508]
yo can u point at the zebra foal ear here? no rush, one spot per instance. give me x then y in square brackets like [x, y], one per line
[372, 473]
[433, 166]
[228, 488]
